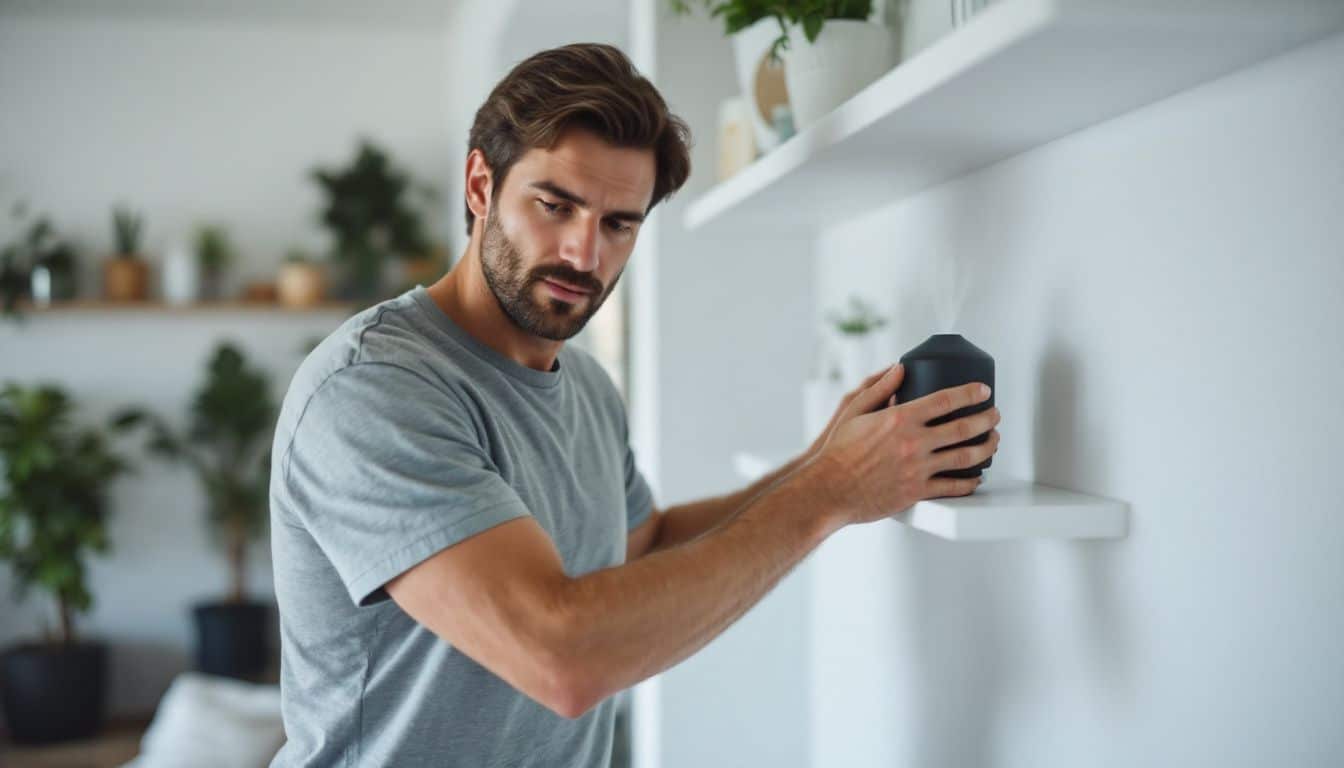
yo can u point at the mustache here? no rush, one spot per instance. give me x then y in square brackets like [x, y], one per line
[579, 279]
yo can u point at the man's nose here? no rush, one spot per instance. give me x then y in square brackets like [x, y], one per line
[582, 245]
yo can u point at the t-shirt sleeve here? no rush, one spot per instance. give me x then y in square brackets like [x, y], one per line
[385, 470]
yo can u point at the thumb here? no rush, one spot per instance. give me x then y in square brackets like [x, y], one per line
[877, 394]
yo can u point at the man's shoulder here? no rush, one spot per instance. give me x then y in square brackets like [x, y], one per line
[388, 342]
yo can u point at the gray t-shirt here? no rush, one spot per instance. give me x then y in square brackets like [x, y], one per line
[401, 435]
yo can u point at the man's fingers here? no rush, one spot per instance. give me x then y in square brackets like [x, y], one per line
[945, 401]
[881, 388]
[966, 456]
[940, 487]
[962, 429]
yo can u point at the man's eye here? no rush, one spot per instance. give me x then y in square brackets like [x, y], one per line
[550, 207]
[618, 226]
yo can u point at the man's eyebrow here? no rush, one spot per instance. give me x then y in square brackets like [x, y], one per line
[564, 194]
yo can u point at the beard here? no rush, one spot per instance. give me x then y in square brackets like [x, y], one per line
[514, 288]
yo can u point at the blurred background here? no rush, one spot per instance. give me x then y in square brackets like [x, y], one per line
[1135, 208]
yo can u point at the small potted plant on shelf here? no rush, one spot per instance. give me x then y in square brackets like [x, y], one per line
[227, 445]
[372, 214]
[830, 48]
[854, 340]
[126, 274]
[833, 52]
[37, 264]
[214, 254]
[53, 511]
[756, 35]
[301, 282]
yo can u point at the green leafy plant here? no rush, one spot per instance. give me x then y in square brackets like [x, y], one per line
[127, 228]
[227, 445]
[372, 215]
[860, 319]
[214, 247]
[53, 496]
[811, 15]
[38, 243]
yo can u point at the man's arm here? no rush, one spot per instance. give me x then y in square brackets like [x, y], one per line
[683, 522]
[502, 597]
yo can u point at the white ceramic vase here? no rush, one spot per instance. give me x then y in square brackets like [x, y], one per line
[848, 55]
[181, 275]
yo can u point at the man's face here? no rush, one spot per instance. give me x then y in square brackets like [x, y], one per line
[568, 214]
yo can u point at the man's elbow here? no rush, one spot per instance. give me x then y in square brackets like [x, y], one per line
[573, 691]
[574, 685]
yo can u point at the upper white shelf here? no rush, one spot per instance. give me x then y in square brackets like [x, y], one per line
[1002, 508]
[1019, 74]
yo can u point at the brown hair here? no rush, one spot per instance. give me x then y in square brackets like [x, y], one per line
[589, 85]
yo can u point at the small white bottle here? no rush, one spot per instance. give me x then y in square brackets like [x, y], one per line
[181, 275]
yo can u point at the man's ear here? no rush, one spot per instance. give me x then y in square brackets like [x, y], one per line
[480, 184]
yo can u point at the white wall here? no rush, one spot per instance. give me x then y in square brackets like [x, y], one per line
[191, 119]
[187, 117]
[733, 328]
[1162, 296]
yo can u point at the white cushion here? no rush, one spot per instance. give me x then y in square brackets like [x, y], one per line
[213, 722]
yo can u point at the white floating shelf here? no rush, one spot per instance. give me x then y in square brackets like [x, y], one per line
[1002, 508]
[1005, 508]
[1019, 74]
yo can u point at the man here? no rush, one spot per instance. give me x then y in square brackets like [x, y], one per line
[467, 560]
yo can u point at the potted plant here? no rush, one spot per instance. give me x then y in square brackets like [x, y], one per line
[830, 49]
[214, 253]
[757, 34]
[854, 340]
[227, 445]
[53, 512]
[301, 282]
[832, 53]
[371, 214]
[126, 275]
[37, 264]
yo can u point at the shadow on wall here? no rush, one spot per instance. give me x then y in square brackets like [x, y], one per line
[959, 665]
[1068, 451]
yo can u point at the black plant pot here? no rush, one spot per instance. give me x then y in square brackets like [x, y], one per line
[54, 692]
[231, 639]
[948, 360]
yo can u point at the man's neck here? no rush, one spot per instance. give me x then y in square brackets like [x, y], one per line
[467, 299]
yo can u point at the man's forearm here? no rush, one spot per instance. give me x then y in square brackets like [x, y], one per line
[684, 522]
[630, 622]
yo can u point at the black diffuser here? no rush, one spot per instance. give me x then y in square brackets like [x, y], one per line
[948, 360]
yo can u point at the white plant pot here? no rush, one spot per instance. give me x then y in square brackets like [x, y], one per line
[762, 82]
[181, 275]
[846, 57]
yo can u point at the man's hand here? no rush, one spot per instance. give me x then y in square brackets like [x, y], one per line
[857, 401]
[876, 462]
